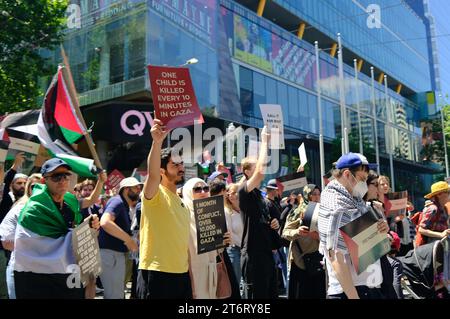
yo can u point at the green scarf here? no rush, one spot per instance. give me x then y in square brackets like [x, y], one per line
[41, 216]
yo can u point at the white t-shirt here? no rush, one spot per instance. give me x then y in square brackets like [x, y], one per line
[372, 277]
[234, 225]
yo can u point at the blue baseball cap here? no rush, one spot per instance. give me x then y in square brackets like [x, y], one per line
[351, 160]
[52, 164]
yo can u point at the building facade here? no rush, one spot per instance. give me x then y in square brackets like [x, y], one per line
[260, 52]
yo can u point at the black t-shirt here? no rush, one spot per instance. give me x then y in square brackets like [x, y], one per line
[257, 239]
[274, 208]
[67, 214]
[275, 211]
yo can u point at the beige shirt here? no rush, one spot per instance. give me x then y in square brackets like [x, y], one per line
[202, 268]
[307, 244]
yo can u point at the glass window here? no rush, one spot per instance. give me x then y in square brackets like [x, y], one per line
[292, 118]
[259, 92]
[271, 90]
[246, 94]
[381, 129]
[313, 116]
[303, 110]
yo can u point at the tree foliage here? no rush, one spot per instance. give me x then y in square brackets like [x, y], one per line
[27, 28]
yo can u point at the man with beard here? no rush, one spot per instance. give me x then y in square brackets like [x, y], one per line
[165, 222]
[14, 186]
[115, 238]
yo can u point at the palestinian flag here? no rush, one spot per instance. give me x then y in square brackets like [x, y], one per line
[43, 249]
[365, 244]
[4, 144]
[59, 126]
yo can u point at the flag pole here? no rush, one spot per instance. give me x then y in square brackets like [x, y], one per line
[73, 94]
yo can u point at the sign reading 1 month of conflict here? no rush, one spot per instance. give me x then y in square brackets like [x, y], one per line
[210, 223]
[173, 97]
[86, 251]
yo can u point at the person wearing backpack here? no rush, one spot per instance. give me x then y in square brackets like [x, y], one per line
[306, 272]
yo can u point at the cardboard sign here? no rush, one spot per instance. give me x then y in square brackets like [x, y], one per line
[210, 223]
[398, 203]
[86, 251]
[291, 182]
[302, 154]
[273, 119]
[114, 179]
[173, 97]
[23, 142]
[365, 244]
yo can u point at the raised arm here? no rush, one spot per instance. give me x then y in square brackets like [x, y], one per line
[151, 184]
[92, 199]
[260, 169]
[9, 176]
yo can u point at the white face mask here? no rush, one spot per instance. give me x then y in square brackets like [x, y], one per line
[360, 189]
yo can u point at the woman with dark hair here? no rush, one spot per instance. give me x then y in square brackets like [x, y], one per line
[372, 199]
[373, 194]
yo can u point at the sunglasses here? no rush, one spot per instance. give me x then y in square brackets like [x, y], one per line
[199, 189]
[374, 184]
[59, 176]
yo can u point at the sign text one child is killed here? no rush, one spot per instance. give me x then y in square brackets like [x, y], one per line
[173, 96]
[169, 84]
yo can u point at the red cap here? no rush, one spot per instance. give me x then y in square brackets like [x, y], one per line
[395, 244]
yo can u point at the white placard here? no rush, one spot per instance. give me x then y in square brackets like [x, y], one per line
[302, 154]
[273, 119]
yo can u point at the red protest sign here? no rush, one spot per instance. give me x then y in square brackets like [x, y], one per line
[173, 96]
[114, 179]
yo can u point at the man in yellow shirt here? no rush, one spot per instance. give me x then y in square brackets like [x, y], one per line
[164, 229]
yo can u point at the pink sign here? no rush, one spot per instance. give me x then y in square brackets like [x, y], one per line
[173, 97]
[114, 179]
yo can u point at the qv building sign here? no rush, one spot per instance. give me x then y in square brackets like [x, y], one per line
[135, 122]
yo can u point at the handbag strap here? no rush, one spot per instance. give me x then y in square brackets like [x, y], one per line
[222, 261]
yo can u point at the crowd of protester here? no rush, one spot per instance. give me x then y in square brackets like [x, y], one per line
[147, 233]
